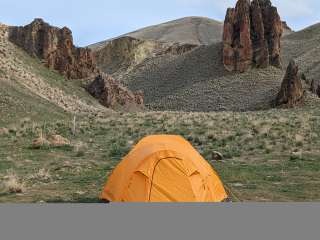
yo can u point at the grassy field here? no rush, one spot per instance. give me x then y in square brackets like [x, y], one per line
[268, 156]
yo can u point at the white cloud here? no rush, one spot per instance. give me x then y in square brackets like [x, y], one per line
[287, 8]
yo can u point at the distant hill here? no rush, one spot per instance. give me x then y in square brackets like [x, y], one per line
[120, 55]
[190, 30]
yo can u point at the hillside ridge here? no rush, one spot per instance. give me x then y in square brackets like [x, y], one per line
[190, 30]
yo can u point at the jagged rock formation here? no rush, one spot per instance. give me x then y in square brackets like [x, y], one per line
[291, 93]
[55, 46]
[315, 87]
[237, 45]
[252, 34]
[111, 94]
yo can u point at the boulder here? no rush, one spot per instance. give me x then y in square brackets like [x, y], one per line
[111, 94]
[55, 47]
[251, 36]
[291, 93]
[216, 156]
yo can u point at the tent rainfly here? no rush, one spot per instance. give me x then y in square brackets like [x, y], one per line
[164, 168]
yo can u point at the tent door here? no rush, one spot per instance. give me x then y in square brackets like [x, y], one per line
[170, 182]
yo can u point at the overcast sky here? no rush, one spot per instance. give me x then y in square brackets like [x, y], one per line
[96, 20]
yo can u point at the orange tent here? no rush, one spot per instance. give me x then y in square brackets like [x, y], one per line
[164, 169]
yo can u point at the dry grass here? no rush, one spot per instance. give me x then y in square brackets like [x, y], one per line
[13, 184]
[41, 175]
[80, 148]
[267, 156]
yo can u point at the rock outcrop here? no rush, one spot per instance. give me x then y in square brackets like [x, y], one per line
[119, 56]
[291, 93]
[315, 87]
[111, 94]
[54, 46]
[178, 49]
[286, 27]
[251, 37]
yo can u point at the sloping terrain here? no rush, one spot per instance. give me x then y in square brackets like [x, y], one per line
[120, 55]
[30, 89]
[197, 80]
[189, 30]
[304, 47]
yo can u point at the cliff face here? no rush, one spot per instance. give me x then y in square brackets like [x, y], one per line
[54, 46]
[315, 87]
[251, 37]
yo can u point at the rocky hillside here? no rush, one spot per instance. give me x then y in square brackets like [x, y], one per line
[120, 55]
[174, 75]
[30, 89]
[123, 54]
[54, 47]
[186, 77]
[197, 79]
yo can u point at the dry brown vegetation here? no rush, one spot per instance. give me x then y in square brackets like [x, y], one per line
[267, 156]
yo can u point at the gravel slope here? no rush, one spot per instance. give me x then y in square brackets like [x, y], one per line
[197, 81]
[304, 46]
